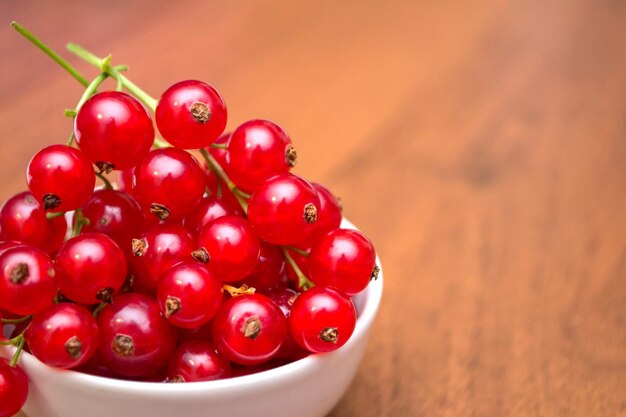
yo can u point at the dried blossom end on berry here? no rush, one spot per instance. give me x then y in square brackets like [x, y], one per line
[74, 347]
[310, 213]
[50, 202]
[105, 295]
[200, 112]
[160, 211]
[375, 272]
[252, 327]
[201, 255]
[19, 274]
[104, 167]
[291, 156]
[172, 306]
[329, 334]
[139, 247]
[123, 345]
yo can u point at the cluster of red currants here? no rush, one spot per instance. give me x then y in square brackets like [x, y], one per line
[183, 271]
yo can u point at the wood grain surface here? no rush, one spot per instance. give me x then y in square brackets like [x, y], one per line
[481, 145]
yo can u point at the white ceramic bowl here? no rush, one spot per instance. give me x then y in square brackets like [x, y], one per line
[310, 387]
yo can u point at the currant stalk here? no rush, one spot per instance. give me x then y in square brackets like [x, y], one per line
[303, 282]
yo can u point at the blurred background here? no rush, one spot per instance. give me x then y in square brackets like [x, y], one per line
[480, 145]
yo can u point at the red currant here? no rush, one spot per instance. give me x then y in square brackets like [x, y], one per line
[26, 284]
[230, 247]
[125, 180]
[13, 388]
[115, 214]
[134, 339]
[8, 244]
[197, 361]
[329, 216]
[60, 177]
[114, 130]
[284, 298]
[270, 270]
[191, 114]
[63, 335]
[209, 209]
[249, 329]
[344, 259]
[189, 295]
[90, 268]
[169, 182]
[161, 247]
[258, 149]
[322, 319]
[283, 209]
[23, 219]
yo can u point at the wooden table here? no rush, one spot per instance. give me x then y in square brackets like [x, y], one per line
[481, 146]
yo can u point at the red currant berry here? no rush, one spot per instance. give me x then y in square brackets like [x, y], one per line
[270, 270]
[209, 209]
[26, 284]
[115, 214]
[329, 216]
[283, 209]
[60, 177]
[284, 298]
[197, 361]
[114, 130]
[191, 114]
[230, 247]
[344, 259]
[249, 329]
[125, 180]
[169, 182]
[13, 388]
[23, 219]
[322, 319]
[189, 295]
[134, 339]
[161, 247]
[258, 149]
[8, 244]
[63, 335]
[90, 268]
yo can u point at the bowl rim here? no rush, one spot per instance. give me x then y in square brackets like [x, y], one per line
[372, 298]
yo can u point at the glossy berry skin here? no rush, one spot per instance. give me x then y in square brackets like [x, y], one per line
[63, 335]
[283, 210]
[113, 128]
[258, 149]
[343, 259]
[23, 219]
[329, 215]
[196, 361]
[8, 244]
[134, 339]
[232, 247]
[170, 178]
[60, 177]
[161, 247]
[191, 114]
[249, 329]
[26, 284]
[189, 295]
[210, 208]
[115, 214]
[284, 298]
[90, 268]
[270, 270]
[124, 181]
[13, 388]
[322, 319]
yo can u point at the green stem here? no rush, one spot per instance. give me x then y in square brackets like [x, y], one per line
[160, 143]
[91, 89]
[51, 216]
[219, 172]
[16, 355]
[219, 146]
[98, 309]
[104, 64]
[303, 281]
[105, 180]
[79, 222]
[48, 51]
[16, 321]
[298, 251]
